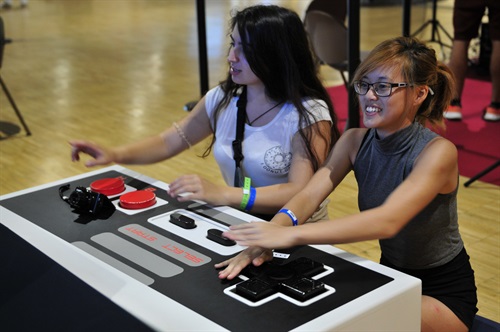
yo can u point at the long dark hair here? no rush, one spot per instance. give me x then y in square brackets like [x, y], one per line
[278, 51]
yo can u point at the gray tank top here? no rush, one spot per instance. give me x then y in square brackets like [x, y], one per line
[431, 238]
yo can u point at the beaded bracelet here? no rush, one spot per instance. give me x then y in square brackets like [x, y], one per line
[292, 216]
[182, 135]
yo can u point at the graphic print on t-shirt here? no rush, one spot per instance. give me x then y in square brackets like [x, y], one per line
[276, 161]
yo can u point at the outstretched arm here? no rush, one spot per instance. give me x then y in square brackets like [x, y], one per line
[435, 172]
[194, 128]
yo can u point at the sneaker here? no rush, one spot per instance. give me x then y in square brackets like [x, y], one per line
[5, 5]
[491, 114]
[453, 113]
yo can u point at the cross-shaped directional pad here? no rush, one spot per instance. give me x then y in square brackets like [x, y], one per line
[296, 281]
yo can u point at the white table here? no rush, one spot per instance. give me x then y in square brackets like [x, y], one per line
[395, 306]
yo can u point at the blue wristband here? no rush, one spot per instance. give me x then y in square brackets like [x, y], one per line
[292, 216]
[251, 200]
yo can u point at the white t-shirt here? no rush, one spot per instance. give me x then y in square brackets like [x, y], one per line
[267, 150]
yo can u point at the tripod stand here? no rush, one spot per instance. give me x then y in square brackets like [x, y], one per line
[436, 26]
[3, 42]
[482, 173]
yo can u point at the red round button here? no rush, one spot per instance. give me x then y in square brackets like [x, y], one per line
[139, 199]
[108, 186]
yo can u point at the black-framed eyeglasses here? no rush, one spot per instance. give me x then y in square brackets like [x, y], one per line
[381, 89]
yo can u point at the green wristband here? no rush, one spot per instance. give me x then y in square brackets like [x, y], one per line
[246, 193]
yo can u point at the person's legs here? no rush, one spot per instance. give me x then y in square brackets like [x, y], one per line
[458, 65]
[467, 17]
[495, 71]
[437, 317]
[492, 112]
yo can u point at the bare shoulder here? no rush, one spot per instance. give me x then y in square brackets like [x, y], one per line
[355, 134]
[438, 162]
[347, 146]
[441, 146]
[439, 154]
[353, 137]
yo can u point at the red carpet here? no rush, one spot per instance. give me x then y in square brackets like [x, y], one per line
[477, 141]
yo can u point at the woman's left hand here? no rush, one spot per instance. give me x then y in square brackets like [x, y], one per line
[252, 255]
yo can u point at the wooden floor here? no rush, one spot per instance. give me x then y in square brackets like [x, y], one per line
[114, 71]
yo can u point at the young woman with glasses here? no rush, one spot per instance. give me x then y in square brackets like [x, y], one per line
[289, 125]
[407, 179]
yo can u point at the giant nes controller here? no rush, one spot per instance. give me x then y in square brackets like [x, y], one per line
[156, 261]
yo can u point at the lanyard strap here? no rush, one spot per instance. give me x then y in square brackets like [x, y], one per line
[237, 143]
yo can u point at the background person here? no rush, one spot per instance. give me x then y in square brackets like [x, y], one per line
[467, 16]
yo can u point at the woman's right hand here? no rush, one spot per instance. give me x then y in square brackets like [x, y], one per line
[102, 156]
[251, 255]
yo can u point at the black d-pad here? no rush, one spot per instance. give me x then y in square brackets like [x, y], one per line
[292, 279]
